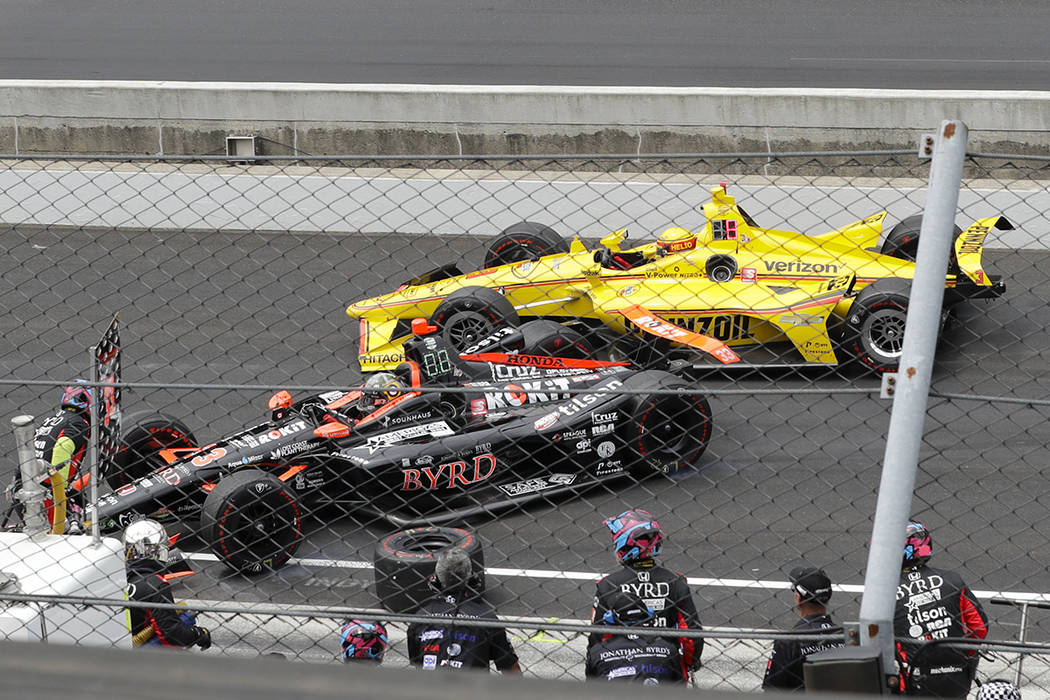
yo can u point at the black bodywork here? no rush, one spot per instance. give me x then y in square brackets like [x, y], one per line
[464, 438]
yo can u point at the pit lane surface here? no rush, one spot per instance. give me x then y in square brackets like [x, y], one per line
[787, 475]
[938, 44]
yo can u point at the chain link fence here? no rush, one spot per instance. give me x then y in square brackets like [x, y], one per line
[232, 282]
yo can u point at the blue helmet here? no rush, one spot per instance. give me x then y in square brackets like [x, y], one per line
[636, 536]
[77, 396]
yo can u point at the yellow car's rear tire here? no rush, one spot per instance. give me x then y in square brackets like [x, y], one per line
[903, 241]
[526, 240]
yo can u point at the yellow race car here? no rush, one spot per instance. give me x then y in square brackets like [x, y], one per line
[826, 298]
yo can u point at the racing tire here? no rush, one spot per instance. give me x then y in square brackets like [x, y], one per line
[903, 241]
[526, 240]
[469, 314]
[145, 434]
[669, 431]
[405, 561]
[721, 268]
[551, 339]
[252, 521]
[873, 331]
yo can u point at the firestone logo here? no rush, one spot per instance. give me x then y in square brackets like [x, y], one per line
[449, 475]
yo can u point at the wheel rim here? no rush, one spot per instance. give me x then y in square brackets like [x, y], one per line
[465, 329]
[883, 332]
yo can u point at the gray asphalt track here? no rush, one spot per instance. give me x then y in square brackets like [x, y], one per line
[787, 476]
[939, 44]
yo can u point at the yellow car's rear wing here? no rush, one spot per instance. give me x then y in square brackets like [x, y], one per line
[969, 247]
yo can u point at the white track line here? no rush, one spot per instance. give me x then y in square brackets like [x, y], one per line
[594, 576]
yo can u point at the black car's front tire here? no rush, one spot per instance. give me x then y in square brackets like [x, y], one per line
[252, 521]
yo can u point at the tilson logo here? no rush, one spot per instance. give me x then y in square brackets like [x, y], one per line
[449, 475]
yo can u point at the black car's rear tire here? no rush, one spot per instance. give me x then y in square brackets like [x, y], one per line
[670, 431]
[551, 339]
[405, 561]
[144, 435]
[252, 521]
[526, 240]
[469, 314]
[873, 331]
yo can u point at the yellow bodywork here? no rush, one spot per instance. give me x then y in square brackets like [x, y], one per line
[786, 285]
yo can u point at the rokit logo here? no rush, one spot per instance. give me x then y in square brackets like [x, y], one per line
[527, 392]
[449, 475]
[281, 432]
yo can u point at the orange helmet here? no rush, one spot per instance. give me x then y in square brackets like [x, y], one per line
[676, 240]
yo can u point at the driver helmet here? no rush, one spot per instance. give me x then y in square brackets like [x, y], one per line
[77, 397]
[380, 388]
[146, 539]
[636, 536]
[363, 641]
[627, 609]
[918, 546]
[675, 240]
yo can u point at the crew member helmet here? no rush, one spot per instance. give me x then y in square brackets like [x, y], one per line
[363, 641]
[675, 240]
[146, 539]
[77, 396]
[918, 546]
[636, 536]
[627, 609]
[380, 388]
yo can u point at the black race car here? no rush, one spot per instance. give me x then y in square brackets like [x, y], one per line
[523, 414]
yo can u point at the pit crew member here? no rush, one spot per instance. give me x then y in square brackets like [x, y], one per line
[146, 551]
[812, 590]
[637, 539]
[934, 604]
[632, 658]
[452, 643]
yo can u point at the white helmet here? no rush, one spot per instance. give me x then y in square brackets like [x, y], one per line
[146, 539]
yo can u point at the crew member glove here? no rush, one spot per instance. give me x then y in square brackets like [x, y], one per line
[203, 638]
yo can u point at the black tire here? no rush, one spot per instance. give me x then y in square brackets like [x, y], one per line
[405, 561]
[144, 435]
[873, 331]
[252, 521]
[670, 431]
[526, 240]
[721, 268]
[903, 241]
[551, 339]
[469, 314]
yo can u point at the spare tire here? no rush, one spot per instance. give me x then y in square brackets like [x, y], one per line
[405, 561]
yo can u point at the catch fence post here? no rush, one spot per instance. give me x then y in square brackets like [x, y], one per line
[907, 418]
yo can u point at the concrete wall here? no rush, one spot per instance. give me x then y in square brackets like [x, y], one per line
[187, 118]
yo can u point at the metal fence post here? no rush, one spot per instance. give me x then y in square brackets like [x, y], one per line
[96, 537]
[904, 437]
[32, 492]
